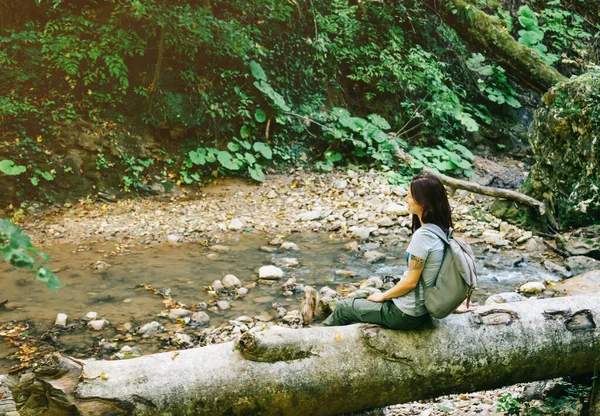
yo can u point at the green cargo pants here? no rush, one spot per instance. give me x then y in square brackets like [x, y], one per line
[350, 311]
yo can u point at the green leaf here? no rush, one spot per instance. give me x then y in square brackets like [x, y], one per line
[244, 131]
[198, 157]
[234, 147]
[332, 156]
[8, 167]
[444, 166]
[35, 181]
[260, 115]
[250, 158]
[257, 71]
[45, 275]
[256, 173]
[227, 160]
[263, 149]
[275, 97]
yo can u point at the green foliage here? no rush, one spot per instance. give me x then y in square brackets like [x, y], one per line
[532, 35]
[448, 157]
[518, 406]
[16, 249]
[8, 167]
[493, 82]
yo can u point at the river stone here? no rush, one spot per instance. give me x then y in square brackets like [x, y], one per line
[581, 264]
[565, 141]
[235, 225]
[223, 305]
[181, 339]
[230, 281]
[532, 287]
[396, 209]
[219, 248]
[555, 268]
[373, 281]
[582, 284]
[351, 246]
[309, 216]
[340, 184]
[149, 329]
[362, 233]
[98, 324]
[384, 222]
[373, 256]
[241, 291]
[128, 352]
[289, 246]
[90, 316]
[217, 286]
[268, 249]
[506, 297]
[179, 313]
[345, 273]
[584, 242]
[326, 291]
[286, 262]
[174, 238]
[270, 272]
[201, 318]
[61, 320]
[328, 304]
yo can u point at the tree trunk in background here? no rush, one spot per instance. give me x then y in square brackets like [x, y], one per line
[477, 27]
[332, 370]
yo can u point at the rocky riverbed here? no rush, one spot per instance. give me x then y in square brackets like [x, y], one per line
[358, 206]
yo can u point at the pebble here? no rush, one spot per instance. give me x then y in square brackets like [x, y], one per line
[532, 287]
[128, 352]
[61, 320]
[268, 249]
[97, 325]
[217, 286]
[373, 256]
[149, 329]
[230, 281]
[223, 305]
[396, 209]
[270, 272]
[505, 297]
[174, 238]
[309, 216]
[235, 225]
[351, 246]
[90, 316]
[362, 233]
[289, 246]
[179, 313]
[219, 248]
[241, 291]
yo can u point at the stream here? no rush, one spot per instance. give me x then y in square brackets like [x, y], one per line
[106, 278]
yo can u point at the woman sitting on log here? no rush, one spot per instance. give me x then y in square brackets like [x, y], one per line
[403, 306]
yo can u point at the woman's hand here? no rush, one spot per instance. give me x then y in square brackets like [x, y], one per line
[377, 297]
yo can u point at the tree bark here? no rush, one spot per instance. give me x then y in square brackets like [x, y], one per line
[477, 27]
[333, 370]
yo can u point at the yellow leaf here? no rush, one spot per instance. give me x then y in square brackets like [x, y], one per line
[338, 337]
[103, 376]
[90, 92]
[39, 139]
[175, 354]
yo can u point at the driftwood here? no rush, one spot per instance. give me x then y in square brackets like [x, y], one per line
[488, 190]
[331, 370]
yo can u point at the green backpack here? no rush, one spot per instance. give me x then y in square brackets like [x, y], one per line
[456, 279]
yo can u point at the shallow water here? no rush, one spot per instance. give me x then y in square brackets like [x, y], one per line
[114, 291]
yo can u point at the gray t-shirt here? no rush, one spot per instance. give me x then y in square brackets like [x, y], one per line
[429, 247]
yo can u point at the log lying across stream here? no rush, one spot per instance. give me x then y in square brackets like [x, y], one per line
[325, 371]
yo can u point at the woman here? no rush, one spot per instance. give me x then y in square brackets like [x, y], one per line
[403, 306]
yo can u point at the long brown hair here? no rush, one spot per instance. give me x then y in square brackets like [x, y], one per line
[429, 192]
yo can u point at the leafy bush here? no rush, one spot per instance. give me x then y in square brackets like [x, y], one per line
[16, 249]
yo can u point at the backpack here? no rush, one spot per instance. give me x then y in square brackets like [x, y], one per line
[456, 279]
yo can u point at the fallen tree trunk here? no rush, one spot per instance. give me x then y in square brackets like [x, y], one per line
[332, 370]
[477, 27]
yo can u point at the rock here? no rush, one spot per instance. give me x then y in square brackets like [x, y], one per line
[351, 246]
[127, 353]
[270, 272]
[362, 233]
[369, 246]
[309, 216]
[555, 268]
[200, 318]
[326, 291]
[345, 273]
[217, 286]
[532, 287]
[241, 291]
[277, 241]
[400, 191]
[340, 184]
[525, 237]
[219, 248]
[495, 239]
[373, 281]
[290, 285]
[174, 238]
[582, 284]
[293, 319]
[179, 313]
[581, 264]
[289, 246]
[149, 329]
[373, 256]
[97, 325]
[366, 292]
[61, 320]
[235, 225]
[396, 209]
[268, 249]
[328, 304]
[564, 139]
[506, 297]
[212, 256]
[384, 222]
[286, 262]
[223, 305]
[230, 281]
[352, 174]
[583, 242]
[90, 316]
[181, 339]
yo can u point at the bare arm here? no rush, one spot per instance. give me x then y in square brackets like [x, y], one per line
[408, 283]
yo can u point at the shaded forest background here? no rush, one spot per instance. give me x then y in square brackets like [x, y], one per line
[97, 96]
